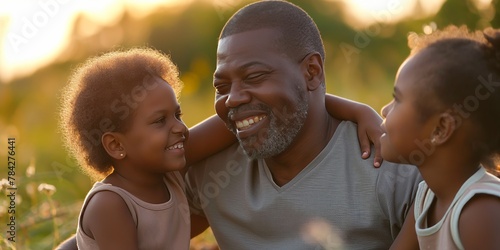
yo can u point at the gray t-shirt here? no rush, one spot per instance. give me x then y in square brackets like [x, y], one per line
[338, 189]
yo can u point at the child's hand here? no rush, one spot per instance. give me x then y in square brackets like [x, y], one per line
[366, 117]
[369, 132]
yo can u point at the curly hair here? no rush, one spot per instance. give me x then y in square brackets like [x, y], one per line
[465, 72]
[102, 95]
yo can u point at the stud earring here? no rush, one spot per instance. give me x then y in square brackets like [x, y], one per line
[433, 140]
[121, 154]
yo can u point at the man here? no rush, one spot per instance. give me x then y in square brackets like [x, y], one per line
[295, 164]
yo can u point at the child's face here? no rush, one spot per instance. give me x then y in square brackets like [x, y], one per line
[155, 138]
[406, 136]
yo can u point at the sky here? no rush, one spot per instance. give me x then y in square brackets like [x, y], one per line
[34, 32]
[366, 12]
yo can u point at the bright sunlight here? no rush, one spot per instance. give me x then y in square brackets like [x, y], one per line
[362, 13]
[34, 33]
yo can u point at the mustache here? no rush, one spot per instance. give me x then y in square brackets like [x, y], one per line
[246, 107]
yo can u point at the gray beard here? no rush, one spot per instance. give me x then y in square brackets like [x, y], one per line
[283, 129]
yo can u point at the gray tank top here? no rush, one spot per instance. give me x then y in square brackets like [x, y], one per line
[159, 226]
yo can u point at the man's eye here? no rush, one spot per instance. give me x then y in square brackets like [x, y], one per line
[222, 89]
[255, 76]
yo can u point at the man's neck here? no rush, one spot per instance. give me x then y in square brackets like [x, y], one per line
[311, 140]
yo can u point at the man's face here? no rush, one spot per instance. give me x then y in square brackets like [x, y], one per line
[260, 92]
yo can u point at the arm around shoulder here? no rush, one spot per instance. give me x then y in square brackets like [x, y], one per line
[367, 119]
[207, 138]
[349, 110]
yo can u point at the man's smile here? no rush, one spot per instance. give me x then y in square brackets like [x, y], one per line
[248, 122]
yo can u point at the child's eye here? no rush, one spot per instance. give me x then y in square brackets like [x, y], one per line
[178, 115]
[160, 120]
[394, 97]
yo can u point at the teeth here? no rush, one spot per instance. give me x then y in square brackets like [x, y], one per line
[248, 122]
[176, 146]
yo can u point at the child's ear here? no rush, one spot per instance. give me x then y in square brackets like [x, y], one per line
[112, 145]
[313, 70]
[446, 126]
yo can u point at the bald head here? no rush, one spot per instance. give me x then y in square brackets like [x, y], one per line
[299, 35]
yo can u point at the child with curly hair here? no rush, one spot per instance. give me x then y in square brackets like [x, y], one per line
[445, 119]
[122, 121]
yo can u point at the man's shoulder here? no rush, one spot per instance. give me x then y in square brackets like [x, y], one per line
[389, 174]
[348, 132]
[400, 170]
[396, 178]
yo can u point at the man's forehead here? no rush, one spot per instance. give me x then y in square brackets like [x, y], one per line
[258, 38]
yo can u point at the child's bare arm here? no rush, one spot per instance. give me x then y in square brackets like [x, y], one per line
[212, 136]
[407, 237]
[367, 119]
[207, 138]
[108, 221]
[479, 223]
[198, 225]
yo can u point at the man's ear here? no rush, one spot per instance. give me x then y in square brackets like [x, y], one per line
[312, 66]
[445, 127]
[113, 146]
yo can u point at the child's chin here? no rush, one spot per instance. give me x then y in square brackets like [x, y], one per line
[176, 166]
[387, 156]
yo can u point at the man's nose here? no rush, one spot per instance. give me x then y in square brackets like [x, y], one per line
[237, 95]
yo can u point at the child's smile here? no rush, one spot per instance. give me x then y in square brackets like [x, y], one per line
[156, 127]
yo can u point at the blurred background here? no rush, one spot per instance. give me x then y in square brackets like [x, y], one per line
[42, 41]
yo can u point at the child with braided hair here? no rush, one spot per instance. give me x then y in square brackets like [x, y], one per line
[445, 119]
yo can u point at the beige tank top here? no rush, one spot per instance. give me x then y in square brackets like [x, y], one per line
[159, 226]
[444, 234]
